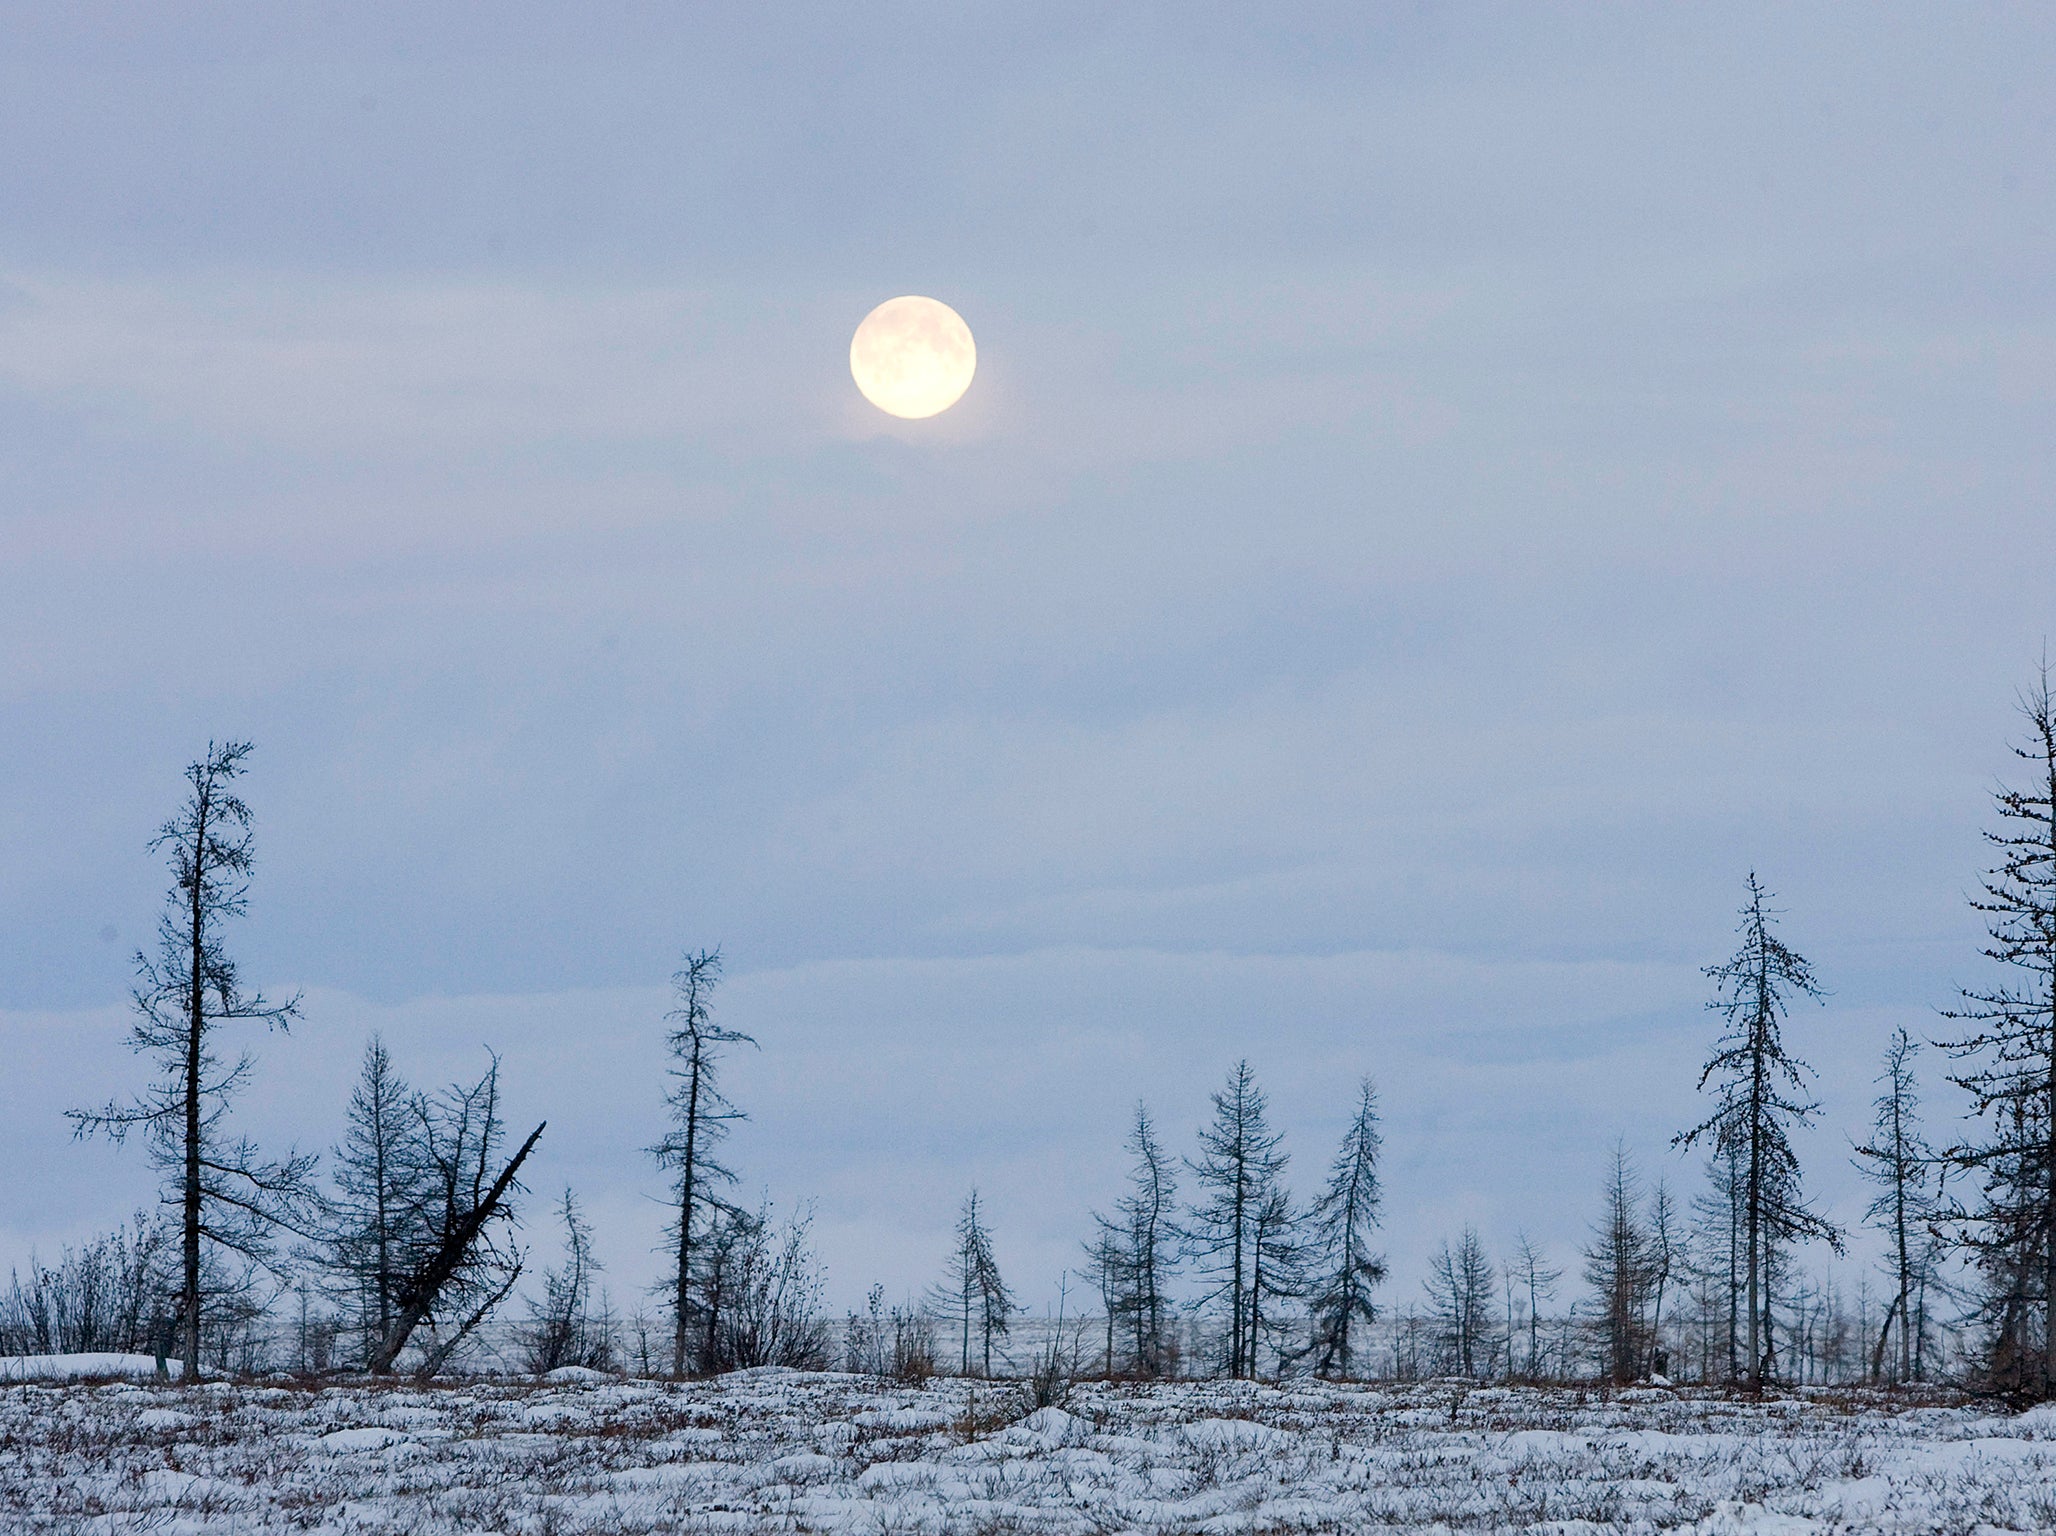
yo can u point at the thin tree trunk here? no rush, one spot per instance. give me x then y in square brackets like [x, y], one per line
[196, 1026]
[1237, 1358]
[686, 1200]
[1757, 1257]
[2049, 1162]
[1877, 1355]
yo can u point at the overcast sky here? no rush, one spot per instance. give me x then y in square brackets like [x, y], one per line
[1447, 491]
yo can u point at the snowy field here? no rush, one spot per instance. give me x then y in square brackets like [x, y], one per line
[776, 1451]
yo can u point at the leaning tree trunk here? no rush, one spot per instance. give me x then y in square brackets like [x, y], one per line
[422, 1288]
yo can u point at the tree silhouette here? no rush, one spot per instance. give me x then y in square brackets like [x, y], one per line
[231, 1203]
[1759, 1096]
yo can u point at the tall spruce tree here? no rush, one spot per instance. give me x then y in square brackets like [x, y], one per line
[380, 1183]
[1760, 1095]
[700, 1117]
[1239, 1169]
[1899, 1161]
[2010, 1071]
[230, 1202]
[1345, 1270]
[1618, 1268]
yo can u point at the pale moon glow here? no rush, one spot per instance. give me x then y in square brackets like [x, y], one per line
[913, 357]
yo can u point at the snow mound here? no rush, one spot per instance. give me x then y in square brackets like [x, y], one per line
[1047, 1429]
[1235, 1434]
[80, 1367]
[371, 1437]
[1735, 1519]
[2040, 1420]
[577, 1373]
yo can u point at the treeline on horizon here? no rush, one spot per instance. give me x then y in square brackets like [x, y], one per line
[401, 1252]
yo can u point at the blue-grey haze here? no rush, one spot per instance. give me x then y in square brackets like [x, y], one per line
[1448, 490]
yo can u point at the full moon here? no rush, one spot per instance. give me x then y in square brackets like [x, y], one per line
[913, 357]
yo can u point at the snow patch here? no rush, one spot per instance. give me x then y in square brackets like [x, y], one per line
[578, 1373]
[371, 1437]
[81, 1367]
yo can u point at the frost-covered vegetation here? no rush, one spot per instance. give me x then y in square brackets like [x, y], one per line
[771, 1450]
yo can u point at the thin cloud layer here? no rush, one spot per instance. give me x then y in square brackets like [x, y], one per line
[1444, 495]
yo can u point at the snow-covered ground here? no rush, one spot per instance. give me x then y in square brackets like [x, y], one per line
[776, 1451]
[81, 1367]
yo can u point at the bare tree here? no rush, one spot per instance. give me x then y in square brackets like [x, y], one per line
[770, 1311]
[1342, 1222]
[563, 1326]
[103, 1296]
[1277, 1277]
[1459, 1284]
[1133, 1257]
[700, 1117]
[1536, 1279]
[2010, 1072]
[975, 1291]
[1104, 1266]
[1719, 1252]
[457, 1267]
[1669, 1257]
[1760, 1095]
[231, 1203]
[1899, 1161]
[1239, 1168]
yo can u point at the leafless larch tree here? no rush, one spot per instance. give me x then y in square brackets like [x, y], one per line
[1898, 1160]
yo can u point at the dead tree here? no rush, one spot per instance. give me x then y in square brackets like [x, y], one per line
[700, 1117]
[231, 1203]
[1899, 1161]
[457, 1268]
[1532, 1273]
[1132, 1254]
[1459, 1286]
[562, 1327]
